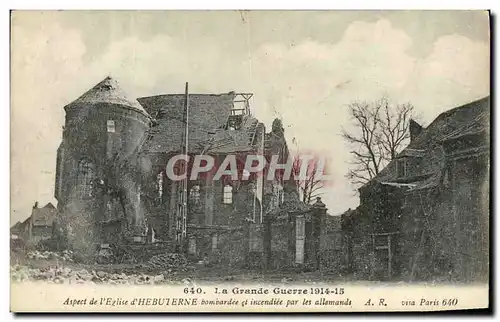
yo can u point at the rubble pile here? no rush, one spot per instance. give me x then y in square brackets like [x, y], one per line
[65, 275]
[165, 262]
[66, 255]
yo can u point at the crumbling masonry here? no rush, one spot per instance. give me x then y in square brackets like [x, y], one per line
[111, 185]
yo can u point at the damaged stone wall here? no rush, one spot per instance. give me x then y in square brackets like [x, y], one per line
[333, 251]
[111, 182]
[439, 232]
[218, 246]
[358, 247]
[80, 228]
[426, 241]
[471, 213]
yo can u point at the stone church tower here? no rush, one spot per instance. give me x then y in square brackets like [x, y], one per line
[96, 187]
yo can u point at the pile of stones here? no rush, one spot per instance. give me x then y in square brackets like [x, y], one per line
[165, 262]
[66, 255]
[65, 275]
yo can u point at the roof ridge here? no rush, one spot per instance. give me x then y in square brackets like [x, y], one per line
[455, 109]
[184, 94]
[478, 119]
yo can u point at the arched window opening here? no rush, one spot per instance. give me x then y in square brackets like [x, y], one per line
[228, 195]
[85, 178]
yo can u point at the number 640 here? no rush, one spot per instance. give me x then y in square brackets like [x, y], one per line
[449, 302]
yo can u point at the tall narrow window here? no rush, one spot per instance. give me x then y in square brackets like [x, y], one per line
[194, 194]
[192, 245]
[195, 205]
[215, 241]
[111, 126]
[228, 195]
[278, 195]
[85, 178]
[281, 195]
[159, 185]
[401, 168]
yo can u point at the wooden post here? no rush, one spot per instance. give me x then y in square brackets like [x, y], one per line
[181, 230]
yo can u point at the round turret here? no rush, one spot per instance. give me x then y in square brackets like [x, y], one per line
[95, 178]
[104, 122]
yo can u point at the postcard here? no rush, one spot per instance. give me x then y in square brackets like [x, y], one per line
[250, 161]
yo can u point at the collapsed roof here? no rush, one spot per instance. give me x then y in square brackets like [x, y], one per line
[208, 118]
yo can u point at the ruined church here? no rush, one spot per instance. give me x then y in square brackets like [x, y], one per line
[112, 188]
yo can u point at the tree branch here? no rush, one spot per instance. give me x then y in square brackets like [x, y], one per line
[380, 130]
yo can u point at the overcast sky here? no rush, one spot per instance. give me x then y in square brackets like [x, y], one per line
[304, 67]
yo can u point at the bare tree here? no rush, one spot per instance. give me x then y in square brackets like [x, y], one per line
[395, 127]
[310, 186]
[380, 131]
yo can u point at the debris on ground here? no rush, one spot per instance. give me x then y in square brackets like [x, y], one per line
[65, 275]
[166, 262]
[66, 255]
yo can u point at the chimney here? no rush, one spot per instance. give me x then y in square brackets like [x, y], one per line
[415, 130]
[35, 205]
